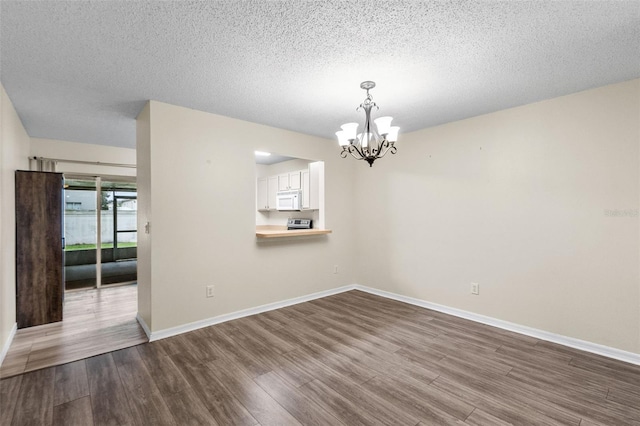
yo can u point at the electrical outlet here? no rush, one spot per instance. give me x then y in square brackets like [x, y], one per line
[209, 291]
[335, 269]
[475, 288]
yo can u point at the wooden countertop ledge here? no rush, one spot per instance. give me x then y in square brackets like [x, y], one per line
[276, 231]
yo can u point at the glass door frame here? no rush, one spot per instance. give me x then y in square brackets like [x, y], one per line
[115, 220]
[93, 182]
[98, 231]
[98, 182]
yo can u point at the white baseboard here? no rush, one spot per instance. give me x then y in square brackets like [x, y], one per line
[7, 344]
[144, 326]
[571, 342]
[168, 332]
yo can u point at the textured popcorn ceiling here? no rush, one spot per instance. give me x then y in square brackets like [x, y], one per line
[82, 70]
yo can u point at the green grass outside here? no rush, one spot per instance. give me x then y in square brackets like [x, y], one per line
[93, 246]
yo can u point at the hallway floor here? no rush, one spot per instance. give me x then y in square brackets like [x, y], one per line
[95, 322]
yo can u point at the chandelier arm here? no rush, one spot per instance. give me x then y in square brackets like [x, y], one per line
[379, 151]
[385, 146]
[360, 153]
[357, 154]
[367, 121]
[372, 131]
[357, 158]
[348, 149]
[362, 150]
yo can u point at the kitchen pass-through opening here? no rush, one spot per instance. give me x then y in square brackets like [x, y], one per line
[288, 188]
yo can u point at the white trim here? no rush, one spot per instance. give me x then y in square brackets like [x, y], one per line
[99, 233]
[7, 344]
[571, 342]
[168, 332]
[144, 325]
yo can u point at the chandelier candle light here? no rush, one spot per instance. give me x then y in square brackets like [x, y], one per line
[372, 143]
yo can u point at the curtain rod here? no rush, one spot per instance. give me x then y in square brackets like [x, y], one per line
[99, 163]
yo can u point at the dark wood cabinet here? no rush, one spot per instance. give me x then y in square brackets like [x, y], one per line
[39, 253]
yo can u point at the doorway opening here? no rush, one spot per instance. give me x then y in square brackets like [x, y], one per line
[101, 297]
[99, 212]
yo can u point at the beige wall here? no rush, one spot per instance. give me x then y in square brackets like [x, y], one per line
[201, 179]
[523, 202]
[143, 153]
[52, 148]
[14, 152]
[283, 167]
[536, 203]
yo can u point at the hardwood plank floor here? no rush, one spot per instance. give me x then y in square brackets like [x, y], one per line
[71, 382]
[351, 358]
[95, 322]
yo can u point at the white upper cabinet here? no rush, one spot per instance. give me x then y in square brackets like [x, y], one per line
[272, 191]
[262, 201]
[316, 184]
[283, 182]
[295, 181]
[308, 180]
[266, 193]
[288, 181]
[306, 190]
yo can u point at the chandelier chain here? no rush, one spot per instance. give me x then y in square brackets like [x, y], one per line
[368, 102]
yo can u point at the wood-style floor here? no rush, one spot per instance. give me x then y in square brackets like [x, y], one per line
[95, 322]
[352, 359]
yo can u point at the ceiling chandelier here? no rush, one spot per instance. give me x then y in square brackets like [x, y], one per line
[375, 141]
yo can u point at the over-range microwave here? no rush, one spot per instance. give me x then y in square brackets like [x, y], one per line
[289, 200]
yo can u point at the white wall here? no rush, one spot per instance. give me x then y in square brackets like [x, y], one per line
[52, 148]
[538, 204]
[14, 152]
[202, 176]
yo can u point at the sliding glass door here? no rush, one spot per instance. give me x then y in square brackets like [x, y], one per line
[80, 236]
[100, 212]
[119, 234]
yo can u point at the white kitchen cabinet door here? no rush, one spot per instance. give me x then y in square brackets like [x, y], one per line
[295, 180]
[262, 201]
[289, 181]
[306, 190]
[283, 182]
[272, 190]
[316, 183]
